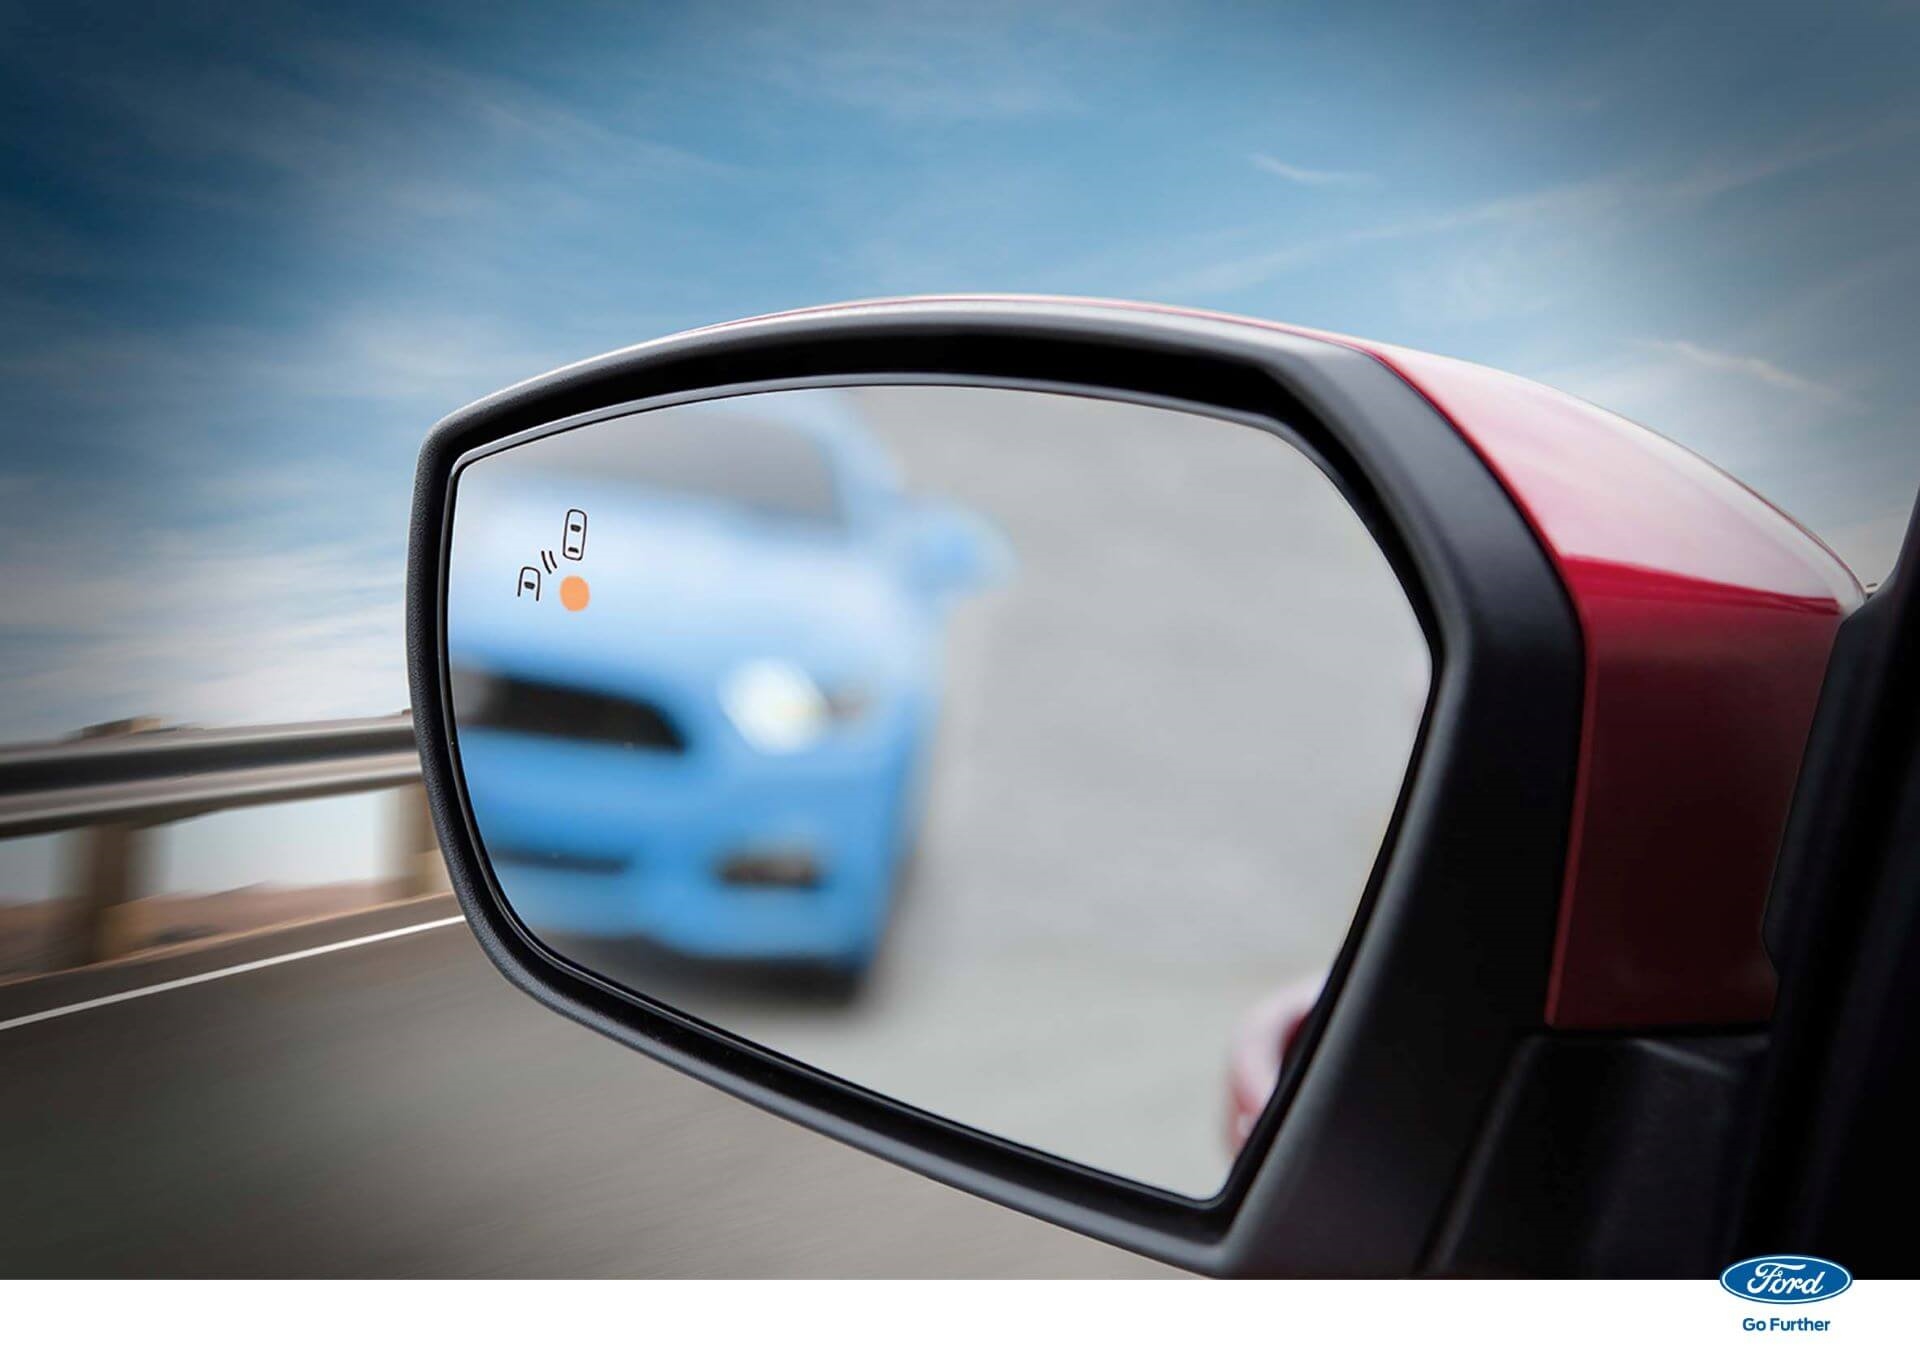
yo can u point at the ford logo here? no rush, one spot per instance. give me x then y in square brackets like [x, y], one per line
[1786, 1280]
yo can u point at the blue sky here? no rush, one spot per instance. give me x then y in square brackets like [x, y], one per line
[247, 259]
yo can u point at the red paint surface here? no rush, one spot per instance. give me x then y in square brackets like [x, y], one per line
[1269, 1032]
[1708, 617]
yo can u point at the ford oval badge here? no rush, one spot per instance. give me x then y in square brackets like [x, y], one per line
[1786, 1280]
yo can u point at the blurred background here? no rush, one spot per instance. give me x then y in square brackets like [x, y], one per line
[249, 254]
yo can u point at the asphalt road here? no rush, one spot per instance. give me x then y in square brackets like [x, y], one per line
[397, 1109]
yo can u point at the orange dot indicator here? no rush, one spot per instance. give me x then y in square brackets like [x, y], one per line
[573, 593]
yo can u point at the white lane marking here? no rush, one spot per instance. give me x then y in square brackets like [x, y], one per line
[217, 973]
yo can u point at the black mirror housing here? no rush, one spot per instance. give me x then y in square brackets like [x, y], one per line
[1441, 974]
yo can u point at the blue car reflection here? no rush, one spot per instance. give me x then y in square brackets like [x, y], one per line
[721, 750]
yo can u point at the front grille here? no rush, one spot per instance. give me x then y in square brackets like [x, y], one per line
[794, 869]
[489, 701]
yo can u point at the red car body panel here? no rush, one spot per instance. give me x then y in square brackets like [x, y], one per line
[1260, 1046]
[1707, 616]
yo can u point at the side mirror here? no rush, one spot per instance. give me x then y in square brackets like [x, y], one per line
[1326, 662]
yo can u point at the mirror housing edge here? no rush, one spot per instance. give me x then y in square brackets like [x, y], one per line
[1443, 969]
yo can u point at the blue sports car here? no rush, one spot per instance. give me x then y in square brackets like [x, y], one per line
[696, 660]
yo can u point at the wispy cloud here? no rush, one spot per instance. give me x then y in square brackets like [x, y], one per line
[1870, 545]
[1756, 368]
[186, 627]
[1587, 201]
[359, 352]
[1594, 205]
[1317, 179]
[1821, 443]
[246, 138]
[919, 64]
[1235, 273]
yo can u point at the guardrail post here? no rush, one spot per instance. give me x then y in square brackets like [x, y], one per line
[423, 872]
[113, 786]
[109, 871]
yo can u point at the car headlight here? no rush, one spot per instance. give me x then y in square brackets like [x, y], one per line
[775, 706]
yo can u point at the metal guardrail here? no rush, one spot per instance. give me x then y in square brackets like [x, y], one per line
[153, 776]
[115, 782]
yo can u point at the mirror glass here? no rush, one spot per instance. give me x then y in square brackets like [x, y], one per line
[1017, 755]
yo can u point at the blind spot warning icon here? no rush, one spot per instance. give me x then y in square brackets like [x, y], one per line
[529, 583]
[573, 544]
